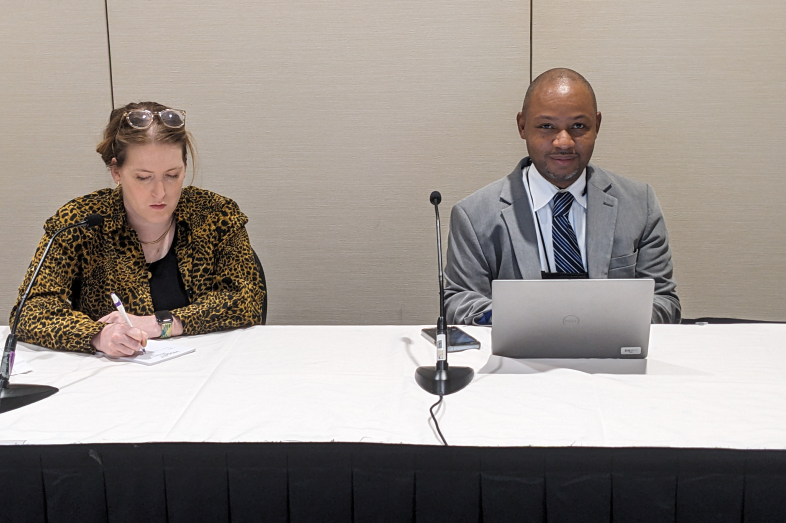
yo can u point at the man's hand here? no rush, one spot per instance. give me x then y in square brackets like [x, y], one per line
[118, 339]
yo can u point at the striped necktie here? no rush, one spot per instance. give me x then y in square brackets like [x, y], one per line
[567, 256]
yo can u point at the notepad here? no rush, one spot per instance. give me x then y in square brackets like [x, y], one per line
[158, 351]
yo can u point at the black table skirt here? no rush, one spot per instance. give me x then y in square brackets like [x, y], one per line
[304, 482]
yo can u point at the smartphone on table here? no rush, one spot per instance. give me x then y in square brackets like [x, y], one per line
[458, 340]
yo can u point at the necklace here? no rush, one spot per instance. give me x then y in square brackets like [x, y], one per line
[162, 236]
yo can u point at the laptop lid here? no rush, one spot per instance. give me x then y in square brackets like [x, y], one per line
[571, 318]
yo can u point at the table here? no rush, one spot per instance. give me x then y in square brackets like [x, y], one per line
[717, 386]
[593, 439]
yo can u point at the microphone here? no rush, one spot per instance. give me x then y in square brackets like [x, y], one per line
[17, 395]
[91, 220]
[441, 379]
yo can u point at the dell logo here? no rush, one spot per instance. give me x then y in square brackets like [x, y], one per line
[570, 321]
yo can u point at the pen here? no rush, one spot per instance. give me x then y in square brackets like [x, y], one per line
[122, 311]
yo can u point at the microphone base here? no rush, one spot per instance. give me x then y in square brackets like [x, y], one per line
[443, 382]
[18, 395]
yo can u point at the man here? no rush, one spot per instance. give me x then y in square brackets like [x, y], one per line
[556, 215]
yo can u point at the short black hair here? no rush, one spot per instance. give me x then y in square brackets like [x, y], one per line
[558, 74]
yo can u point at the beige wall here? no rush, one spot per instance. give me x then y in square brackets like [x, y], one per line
[54, 100]
[331, 121]
[693, 96]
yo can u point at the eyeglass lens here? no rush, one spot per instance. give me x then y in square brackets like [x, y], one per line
[141, 119]
[172, 118]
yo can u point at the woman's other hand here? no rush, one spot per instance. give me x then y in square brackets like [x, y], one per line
[148, 324]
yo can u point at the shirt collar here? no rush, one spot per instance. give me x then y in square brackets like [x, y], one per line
[116, 218]
[542, 191]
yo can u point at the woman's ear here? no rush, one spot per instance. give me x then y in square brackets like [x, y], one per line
[114, 170]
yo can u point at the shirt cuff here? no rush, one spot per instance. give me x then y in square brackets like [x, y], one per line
[485, 319]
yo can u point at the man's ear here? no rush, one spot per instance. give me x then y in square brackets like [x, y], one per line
[597, 124]
[521, 124]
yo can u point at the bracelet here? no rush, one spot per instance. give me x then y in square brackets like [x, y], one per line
[166, 330]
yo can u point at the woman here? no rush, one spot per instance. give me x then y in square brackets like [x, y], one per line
[178, 258]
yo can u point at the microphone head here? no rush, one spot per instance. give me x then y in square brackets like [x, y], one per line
[435, 198]
[94, 219]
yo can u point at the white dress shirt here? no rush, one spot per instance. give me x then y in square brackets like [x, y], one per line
[541, 193]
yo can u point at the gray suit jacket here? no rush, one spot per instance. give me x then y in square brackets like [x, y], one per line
[492, 236]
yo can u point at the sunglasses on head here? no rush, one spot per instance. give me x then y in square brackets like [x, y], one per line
[143, 118]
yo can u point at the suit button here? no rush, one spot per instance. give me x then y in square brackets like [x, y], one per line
[149, 275]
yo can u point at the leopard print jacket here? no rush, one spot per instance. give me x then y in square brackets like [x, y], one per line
[84, 266]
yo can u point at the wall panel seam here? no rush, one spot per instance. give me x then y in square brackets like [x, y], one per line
[531, 2]
[109, 54]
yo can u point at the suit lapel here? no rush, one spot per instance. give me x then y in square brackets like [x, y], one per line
[521, 227]
[601, 222]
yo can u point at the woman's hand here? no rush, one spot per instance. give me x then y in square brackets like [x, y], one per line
[148, 324]
[118, 339]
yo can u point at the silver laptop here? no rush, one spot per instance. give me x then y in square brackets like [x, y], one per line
[571, 318]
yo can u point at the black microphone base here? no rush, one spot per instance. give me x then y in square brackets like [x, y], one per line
[18, 395]
[443, 382]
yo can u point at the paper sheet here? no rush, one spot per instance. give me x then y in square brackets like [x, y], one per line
[158, 351]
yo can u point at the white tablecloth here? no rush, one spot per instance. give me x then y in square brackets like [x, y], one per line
[702, 386]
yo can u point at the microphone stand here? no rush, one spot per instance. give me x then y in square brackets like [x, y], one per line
[13, 396]
[442, 379]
